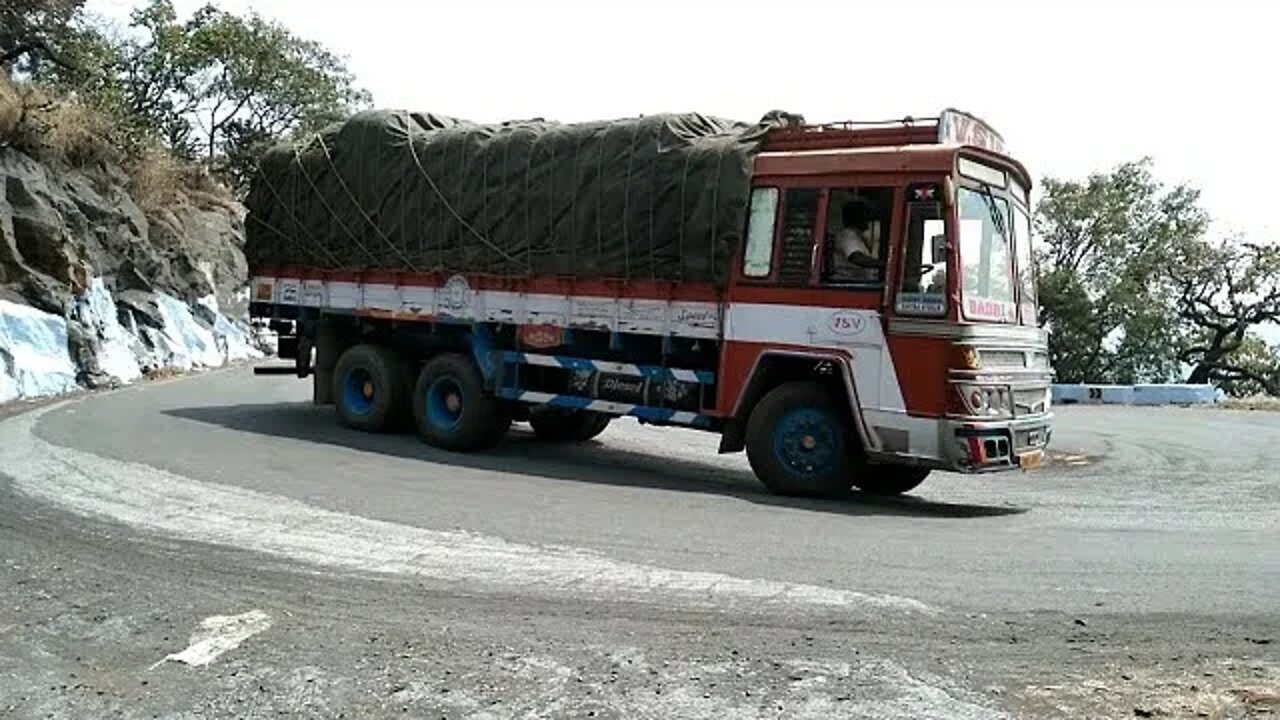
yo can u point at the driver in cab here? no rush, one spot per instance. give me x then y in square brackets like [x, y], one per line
[854, 257]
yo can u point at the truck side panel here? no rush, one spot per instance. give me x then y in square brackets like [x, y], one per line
[460, 300]
[741, 334]
[647, 357]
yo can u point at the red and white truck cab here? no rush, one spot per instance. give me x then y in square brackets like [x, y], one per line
[938, 344]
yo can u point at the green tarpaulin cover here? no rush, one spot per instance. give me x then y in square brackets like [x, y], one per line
[658, 197]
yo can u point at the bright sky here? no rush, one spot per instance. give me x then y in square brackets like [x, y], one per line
[1073, 86]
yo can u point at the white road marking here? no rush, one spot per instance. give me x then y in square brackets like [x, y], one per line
[218, 634]
[155, 500]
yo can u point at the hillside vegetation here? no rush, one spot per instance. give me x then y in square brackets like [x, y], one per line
[213, 88]
[123, 152]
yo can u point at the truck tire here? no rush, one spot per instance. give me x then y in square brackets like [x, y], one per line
[553, 424]
[370, 388]
[799, 442]
[451, 409]
[890, 479]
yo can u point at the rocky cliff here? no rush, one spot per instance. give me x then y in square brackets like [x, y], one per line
[94, 289]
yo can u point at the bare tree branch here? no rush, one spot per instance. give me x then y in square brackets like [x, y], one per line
[36, 45]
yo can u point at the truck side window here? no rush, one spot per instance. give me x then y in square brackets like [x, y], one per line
[924, 262]
[800, 217]
[757, 259]
[857, 243]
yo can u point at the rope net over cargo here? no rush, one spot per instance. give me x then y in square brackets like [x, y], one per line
[662, 197]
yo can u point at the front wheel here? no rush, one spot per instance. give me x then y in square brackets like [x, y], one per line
[890, 479]
[451, 408]
[798, 442]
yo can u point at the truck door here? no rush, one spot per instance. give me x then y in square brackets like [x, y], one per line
[850, 271]
[796, 294]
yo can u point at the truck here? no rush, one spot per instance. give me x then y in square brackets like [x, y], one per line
[852, 304]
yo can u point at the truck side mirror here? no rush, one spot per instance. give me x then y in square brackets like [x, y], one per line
[938, 247]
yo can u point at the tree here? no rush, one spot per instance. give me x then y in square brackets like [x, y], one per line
[1253, 368]
[30, 31]
[216, 86]
[220, 86]
[1225, 290]
[153, 74]
[1132, 288]
[1104, 244]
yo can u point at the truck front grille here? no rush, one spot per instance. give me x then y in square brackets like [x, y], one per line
[1003, 358]
[1030, 402]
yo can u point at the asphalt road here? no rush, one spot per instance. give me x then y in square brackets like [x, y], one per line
[217, 547]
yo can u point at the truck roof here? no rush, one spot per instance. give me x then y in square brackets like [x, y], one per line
[927, 144]
[950, 127]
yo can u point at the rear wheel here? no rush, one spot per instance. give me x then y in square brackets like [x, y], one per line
[553, 424]
[452, 410]
[798, 442]
[890, 479]
[370, 388]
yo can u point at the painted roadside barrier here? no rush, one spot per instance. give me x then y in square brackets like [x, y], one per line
[1135, 394]
[1174, 395]
[1093, 394]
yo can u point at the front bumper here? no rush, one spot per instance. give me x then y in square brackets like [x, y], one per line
[993, 445]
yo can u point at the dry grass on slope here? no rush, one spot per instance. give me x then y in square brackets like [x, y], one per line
[67, 131]
[63, 130]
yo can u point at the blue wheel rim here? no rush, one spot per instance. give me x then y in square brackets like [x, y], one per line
[444, 403]
[808, 443]
[358, 391]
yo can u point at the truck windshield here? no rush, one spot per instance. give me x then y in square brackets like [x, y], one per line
[986, 256]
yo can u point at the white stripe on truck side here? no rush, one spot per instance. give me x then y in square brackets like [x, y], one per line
[857, 333]
[630, 315]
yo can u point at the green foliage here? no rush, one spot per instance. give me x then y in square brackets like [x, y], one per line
[1252, 368]
[1103, 248]
[216, 87]
[31, 32]
[1224, 291]
[1133, 291]
[152, 72]
[252, 81]
[221, 86]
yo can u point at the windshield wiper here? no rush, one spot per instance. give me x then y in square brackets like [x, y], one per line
[996, 215]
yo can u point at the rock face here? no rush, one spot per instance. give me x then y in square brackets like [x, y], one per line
[60, 226]
[114, 292]
[46, 354]
[33, 353]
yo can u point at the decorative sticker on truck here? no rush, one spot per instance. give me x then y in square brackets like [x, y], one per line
[695, 315]
[541, 336]
[984, 309]
[955, 127]
[594, 313]
[847, 323]
[456, 294]
[313, 293]
[290, 291]
[644, 316]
